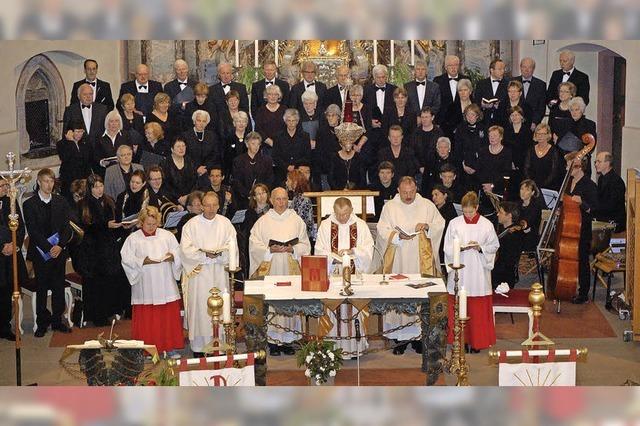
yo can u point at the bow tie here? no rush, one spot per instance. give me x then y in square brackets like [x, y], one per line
[182, 84]
[142, 87]
[526, 81]
[380, 88]
[454, 78]
[310, 84]
[93, 83]
[86, 106]
[225, 86]
[340, 88]
[567, 73]
[269, 82]
[496, 81]
[424, 83]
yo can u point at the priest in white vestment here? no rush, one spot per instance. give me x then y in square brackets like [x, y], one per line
[207, 242]
[282, 225]
[480, 244]
[345, 233]
[415, 250]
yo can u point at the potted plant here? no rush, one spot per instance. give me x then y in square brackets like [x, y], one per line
[321, 361]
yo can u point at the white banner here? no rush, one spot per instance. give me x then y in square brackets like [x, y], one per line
[223, 377]
[545, 374]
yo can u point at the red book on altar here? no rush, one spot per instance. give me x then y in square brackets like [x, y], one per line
[314, 273]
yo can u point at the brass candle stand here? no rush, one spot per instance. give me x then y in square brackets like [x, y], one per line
[230, 329]
[457, 363]
[214, 308]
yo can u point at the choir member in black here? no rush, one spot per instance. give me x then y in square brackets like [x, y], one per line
[359, 114]
[401, 113]
[490, 88]
[258, 205]
[6, 260]
[584, 192]
[47, 218]
[448, 83]
[269, 117]
[224, 192]
[118, 175]
[424, 141]
[511, 239]
[305, 169]
[226, 114]
[494, 162]
[154, 145]
[75, 158]
[132, 122]
[234, 143]
[578, 127]
[515, 98]
[327, 145]
[310, 115]
[386, 185]
[101, 88]
[559, 114]
[337, 95]
[180, 91]
[92, 114]
[346, 169]
[611, 190]
[251, 168]
[470, 138]
[443, 155]
[143, 89]
[158, 193]
[568, 73]
[403, 157]
[448, 178]
[441, 197]
[201, 103]
[543, 163]
[102, 275]
[534, 91]
[531, 206]
[308, 82]
[107, 145]
[454, 116]
[130, 202]
[422, 92]
[179, 171]
[258, 89]
[219, 92]
[519, 137]
[203, 145]
[165, 117]
[291, 146]
[194, 208]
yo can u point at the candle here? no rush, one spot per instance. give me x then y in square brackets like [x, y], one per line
[375, 52]
[456, 252]
[226, 307]
[255, 59]
[276, 55]
[233, 256]
[393, 53]
[462, 304]
[346, 261]
[237, 53]
[413, 52]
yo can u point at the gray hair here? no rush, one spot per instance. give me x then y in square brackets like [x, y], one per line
[570, 54]
[309, 95]
[579, 102]
[80, 89]
[273, 88]
[110, 116]
[198, 112]
[180, 62]
[253, 136]
[420, 62]
[240, 115]
[450, 58]
[445, 140]
[379, 69]
[333, 109]
[356, 88]
[530, 59]
[465, 82]
[291, 112]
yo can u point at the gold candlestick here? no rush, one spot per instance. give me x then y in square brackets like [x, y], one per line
[463, 367]
[457, 362]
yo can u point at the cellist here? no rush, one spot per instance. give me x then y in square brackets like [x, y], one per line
[585, 193]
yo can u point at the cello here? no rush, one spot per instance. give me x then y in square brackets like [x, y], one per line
[563, 231]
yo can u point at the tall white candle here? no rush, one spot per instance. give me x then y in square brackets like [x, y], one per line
[226, 307]
[413, 52]
[456, 252]
[393, 53]
[237, 43]
[462, 295]
[255, 59]
[346, 260]
[375, 52]
[233, 256]
[276, 55]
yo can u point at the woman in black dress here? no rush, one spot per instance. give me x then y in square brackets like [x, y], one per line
[203, 145]
[399, 153]
[234, 143]
[226, 127]
[346, 169]
[269, 119]
[579, 126]
[401, 114]
[130, 202]
[559, 114]
[531, 206]
[494, 163]
[251, 168]
[258, 205]
[515, 98]
[442, 199]
[179, 171]
[358, 114]
[201, 102]
[104, 284]
[519, 137]
[132, 123]
[470, 137]
[106, 146]
[327, 145]
[163, 115]
[543, 164]
[154, 144]
[456, 112]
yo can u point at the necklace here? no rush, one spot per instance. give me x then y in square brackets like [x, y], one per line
[493, 151]
[543, 151]
[199, 138]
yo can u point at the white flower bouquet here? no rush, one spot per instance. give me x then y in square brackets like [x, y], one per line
[320, 359]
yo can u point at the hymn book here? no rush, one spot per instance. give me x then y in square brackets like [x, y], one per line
[130, 220]
[291, 242]
[215, 252]
[53, 240]
[404, 233]
[490, 101]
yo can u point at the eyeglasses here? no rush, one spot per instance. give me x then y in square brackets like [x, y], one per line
[541, 133]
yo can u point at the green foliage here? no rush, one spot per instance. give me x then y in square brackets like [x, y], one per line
[248, 74]
[161, 374]
[474, 75]
[401, 74]
[320, 359]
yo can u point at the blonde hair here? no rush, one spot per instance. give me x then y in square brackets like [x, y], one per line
[160, 98]
[156, 130]
[150, 211]
[470, 199]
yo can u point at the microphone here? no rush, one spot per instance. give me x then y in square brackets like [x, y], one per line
[356, 323]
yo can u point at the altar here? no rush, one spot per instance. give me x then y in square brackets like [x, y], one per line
[413, 295]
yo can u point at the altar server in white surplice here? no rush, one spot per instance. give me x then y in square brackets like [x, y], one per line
[345, 233]
[204, 269]
[282, 225]
[412, 252]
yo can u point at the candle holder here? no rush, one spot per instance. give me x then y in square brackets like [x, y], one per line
[230, 329]
[457, 363]
[346, 281]
[214, 308]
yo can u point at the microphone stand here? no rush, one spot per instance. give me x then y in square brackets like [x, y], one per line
[384, 279]
[356, 323]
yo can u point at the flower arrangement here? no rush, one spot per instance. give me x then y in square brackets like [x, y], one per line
[321, 360]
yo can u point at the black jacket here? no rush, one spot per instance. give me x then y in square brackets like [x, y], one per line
[295, 100]
[257, 93]
[445, 94]
[290, 150]
[102, 89]
[144, 101]
[75, 161]
[219, 99]
[207, 152]
[74, 113]
[432, 96]
[484, 90]
[535, 98]
[611, 200]
[580, 79]
[40, 230]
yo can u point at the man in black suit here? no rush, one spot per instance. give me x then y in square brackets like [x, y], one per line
[308, 82]
[101, 89]
[422, 92]
[568, 72]
[257, 89]
[448, 83]
[336, 94]
[47, 218]
[611, 190]
[90, 113]
[181, 91]
[534, 91]
[143, 89]
[493, 87]
[218, 92]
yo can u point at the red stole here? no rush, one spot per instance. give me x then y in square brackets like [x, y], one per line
[353, 238]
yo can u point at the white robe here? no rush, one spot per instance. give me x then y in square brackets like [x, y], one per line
[153, 284]
[201, 233]
[362, 252]
[476, 274]
[406, 260]
[281, 227]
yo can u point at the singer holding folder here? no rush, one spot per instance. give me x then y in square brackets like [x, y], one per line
[46, 216]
